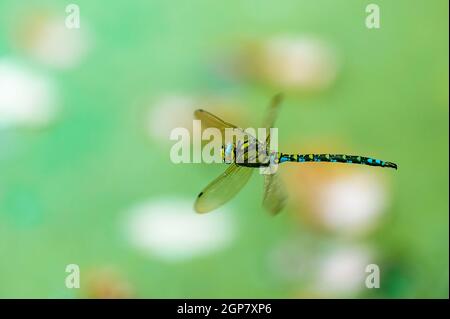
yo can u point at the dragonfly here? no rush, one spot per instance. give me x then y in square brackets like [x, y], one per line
[241, 164]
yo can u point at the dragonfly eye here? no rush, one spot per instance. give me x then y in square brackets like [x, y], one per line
[227, 153]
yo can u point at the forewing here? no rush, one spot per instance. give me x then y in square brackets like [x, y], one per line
[272, 112]
[223, 188]
[211, 120]
[275, 195]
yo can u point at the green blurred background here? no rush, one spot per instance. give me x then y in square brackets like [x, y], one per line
[69, 184]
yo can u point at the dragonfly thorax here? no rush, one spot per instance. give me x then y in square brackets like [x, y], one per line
[245, 153]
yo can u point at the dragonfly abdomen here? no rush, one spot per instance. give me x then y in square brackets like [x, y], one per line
[334, 158]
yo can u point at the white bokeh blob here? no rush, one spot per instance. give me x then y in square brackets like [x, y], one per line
[169, 229]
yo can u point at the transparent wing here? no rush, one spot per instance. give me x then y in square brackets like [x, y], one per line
[223, 188]
[272, 113]
[210, 120]
[275, 195]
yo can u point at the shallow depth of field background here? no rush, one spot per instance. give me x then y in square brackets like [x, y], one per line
[85, 175]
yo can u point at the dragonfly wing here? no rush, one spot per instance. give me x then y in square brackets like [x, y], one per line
[275, 195]
[223, 188]
[210, 120]
[272, 113]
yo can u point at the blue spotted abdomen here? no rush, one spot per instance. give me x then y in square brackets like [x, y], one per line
[334, 158]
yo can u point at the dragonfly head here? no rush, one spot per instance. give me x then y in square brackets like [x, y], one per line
[228, 153]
